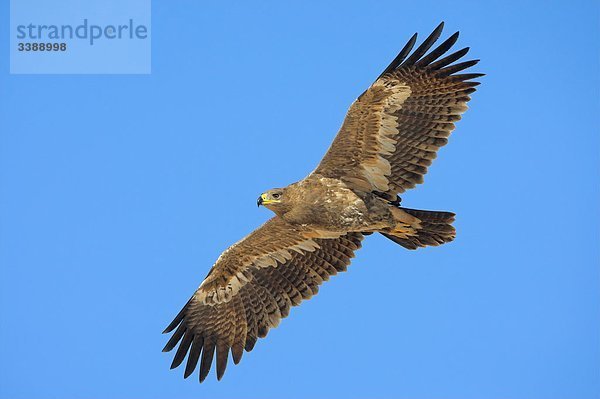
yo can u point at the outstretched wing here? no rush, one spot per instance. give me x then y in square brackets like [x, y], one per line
[393, 130]
[251, 287]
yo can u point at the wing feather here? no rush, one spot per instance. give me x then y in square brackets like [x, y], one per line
[393, 131]
[401, 56]
[438, 51]
[193, 356]
[426, 45]
[228, 312]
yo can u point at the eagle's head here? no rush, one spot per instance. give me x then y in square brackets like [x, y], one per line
[273, 199]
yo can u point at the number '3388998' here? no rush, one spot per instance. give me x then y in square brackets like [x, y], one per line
[42, 46]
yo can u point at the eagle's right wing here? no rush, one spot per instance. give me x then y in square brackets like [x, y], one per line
[393, 130]
[250, 288]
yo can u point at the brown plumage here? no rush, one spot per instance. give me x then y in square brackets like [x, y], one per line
[388, 140]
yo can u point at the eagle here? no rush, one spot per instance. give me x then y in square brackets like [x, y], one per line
[389, 138]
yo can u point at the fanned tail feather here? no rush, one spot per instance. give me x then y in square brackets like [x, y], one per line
[434, 229]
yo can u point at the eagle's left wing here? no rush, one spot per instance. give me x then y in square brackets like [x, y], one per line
[250, 288]
[393, 130]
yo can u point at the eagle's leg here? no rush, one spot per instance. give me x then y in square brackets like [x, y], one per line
[392, 200]
[397, 201]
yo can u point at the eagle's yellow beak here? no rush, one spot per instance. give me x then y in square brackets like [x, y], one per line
[263, 200]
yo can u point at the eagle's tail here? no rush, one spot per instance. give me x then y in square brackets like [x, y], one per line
[431, 228]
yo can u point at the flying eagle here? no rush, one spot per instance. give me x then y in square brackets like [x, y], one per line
[388, 140]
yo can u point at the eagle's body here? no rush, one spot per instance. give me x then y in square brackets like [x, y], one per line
[329, 205]
[390, 136]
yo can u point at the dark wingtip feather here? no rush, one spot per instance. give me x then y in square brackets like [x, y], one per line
[439, 64]
[401, 56]
[177, 318]
[438, 51]
[208, 352]
[175, 338]
[250, 342]
[426, 45]
[468, 76]
[174, 323]
[237, 350]
[449, 70]
[222, 355]
[193, 356]
[184, 346]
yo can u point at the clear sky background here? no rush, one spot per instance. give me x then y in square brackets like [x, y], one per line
[117, 193]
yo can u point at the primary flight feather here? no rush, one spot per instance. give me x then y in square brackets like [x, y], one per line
[388, 140]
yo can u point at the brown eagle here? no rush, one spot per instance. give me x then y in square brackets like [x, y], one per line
[388, 140]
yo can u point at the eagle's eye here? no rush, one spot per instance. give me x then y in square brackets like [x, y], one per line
[276, 195]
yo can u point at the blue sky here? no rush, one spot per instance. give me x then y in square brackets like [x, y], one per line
[117, 193]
